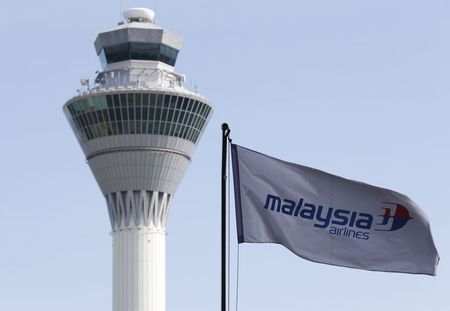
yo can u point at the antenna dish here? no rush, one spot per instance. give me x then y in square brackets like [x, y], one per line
[141, 15]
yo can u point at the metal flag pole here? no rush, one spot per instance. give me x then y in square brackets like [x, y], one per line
[224, 262]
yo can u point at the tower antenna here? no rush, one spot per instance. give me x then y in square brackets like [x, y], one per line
[120, 10]
[156, 9]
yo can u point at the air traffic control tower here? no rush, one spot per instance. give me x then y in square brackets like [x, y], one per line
[138, 128]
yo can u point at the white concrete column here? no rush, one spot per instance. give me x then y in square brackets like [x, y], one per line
[139, 269]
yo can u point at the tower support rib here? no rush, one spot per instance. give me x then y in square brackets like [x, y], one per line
[138, 208]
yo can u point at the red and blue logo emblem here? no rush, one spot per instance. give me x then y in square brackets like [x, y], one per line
[395, 217]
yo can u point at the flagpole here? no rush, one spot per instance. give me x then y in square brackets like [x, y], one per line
[224, 255]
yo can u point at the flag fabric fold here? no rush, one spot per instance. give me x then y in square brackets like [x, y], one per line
[329, 219]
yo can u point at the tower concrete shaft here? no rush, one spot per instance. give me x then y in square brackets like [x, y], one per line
[139, 277]
[138, 128]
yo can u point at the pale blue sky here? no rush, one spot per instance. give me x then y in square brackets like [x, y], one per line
[355, 88]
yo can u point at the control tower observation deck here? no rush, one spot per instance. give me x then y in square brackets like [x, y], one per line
[138, 128]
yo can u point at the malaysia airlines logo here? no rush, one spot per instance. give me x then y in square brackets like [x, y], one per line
[395, 217]
[339, 221]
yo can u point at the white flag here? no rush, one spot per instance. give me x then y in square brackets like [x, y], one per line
[328, 219]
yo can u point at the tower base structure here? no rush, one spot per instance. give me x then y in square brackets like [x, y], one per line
[139, 269]
[139, 249]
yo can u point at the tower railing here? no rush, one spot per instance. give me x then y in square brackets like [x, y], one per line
[137, 78]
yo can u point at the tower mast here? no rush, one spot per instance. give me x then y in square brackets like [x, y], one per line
[138, 128]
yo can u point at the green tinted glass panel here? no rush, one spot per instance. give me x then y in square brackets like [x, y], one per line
[136, 113]
[139, 51]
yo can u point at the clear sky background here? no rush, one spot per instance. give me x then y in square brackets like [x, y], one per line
[356, 88]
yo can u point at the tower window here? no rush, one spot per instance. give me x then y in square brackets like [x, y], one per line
[138, 51]
[125, 113]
